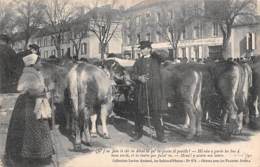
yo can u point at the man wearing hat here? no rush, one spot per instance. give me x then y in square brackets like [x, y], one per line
[148, 92]
[8, 64]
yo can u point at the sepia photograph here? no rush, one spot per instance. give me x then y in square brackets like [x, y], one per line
[116, 83]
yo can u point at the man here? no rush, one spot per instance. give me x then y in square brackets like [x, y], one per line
[9, 65]
[148, 92]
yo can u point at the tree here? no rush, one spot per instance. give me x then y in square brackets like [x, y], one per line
[6, 17]
[79, 29]
[130, 31]
[104, 24]
[59, 14]
[173, 22]
[30, 16]
[227, 13]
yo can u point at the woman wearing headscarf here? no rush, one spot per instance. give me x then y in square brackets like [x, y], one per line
[29, 137]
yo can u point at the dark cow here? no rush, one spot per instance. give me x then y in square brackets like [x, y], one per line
[228, 82]
[255, 92]
[183, 84]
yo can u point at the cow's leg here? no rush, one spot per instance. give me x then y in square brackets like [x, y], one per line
[93, 130]
[230, 109]
[86, 137]
[197, 99]
[255, 105]
[189, 109]
[77, 143]
[76, 126]
[103, 116]
[67, 117]
[187, 121]
[187, 90]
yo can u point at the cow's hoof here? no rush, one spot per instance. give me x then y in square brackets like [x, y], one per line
[87, 143]
[106, 136]
[190, 136]
[237, 132]
[77, 147]
[199, 133]
[94, 134]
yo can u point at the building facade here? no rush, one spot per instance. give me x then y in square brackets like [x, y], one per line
[199, 39]
[89, 45]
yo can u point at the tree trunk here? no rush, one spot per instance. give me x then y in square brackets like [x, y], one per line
[77, 54]
[103, 50]
[133, 52]
[26, 44]
[58, 51]
[225, 48]
[171, 54]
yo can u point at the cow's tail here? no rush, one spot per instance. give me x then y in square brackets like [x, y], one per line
[73, 90]
[197, 93]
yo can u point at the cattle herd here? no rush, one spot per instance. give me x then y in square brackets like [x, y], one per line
[87, 90]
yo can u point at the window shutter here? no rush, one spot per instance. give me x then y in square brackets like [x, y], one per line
[247, 41]
[253, 41]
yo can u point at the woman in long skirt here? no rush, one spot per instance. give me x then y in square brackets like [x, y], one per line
[29, 138]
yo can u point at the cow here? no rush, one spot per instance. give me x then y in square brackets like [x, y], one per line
[183, 85]
[255, 92]
[229, 83]
[89, 87]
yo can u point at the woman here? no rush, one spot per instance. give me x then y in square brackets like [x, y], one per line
[29, 138]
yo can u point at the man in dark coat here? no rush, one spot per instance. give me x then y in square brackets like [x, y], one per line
[10, 66]
[148, 92]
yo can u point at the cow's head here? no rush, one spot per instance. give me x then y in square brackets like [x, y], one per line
[117, 72]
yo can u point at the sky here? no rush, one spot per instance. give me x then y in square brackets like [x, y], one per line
[125, 3]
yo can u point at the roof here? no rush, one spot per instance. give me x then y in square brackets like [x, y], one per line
[145, 4]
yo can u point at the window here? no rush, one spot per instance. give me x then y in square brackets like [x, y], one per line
[158, 36]
[128, 39]
[183, 34]
[138, 38]
[137, 20]
[53, 52]
[39, 42]
[52, 41]
[250, 41]
[62, 52]
[45, 42]
[183, 52]
[148, 37]
[62, 38]
[215, 29]
[46, 54]
[197, 31]
[196, 52]
[158, 18]
[170, 14]
[83, 48]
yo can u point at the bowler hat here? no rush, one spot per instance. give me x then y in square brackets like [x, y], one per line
[4, 37]
[34, 46]
[145, 44]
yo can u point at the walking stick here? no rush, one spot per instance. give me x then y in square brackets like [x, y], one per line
[56, 161]
[148, 109]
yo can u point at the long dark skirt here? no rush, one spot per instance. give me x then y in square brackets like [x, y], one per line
[28, 137]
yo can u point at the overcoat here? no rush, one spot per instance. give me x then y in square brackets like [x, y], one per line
[153, 89]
